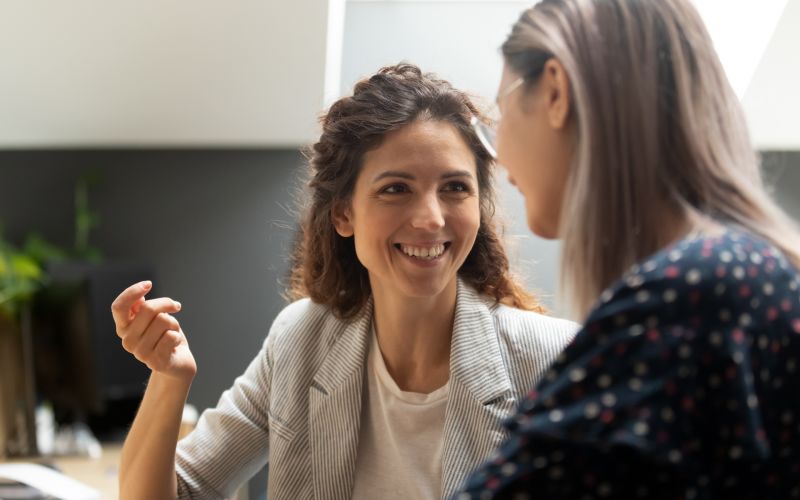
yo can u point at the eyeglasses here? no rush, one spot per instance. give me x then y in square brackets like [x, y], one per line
[487, 131]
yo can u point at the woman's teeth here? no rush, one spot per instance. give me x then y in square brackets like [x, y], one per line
[423, 252]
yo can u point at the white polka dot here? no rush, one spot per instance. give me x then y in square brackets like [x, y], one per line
[651, 321]
[604, 489]
[667, 415]
[693, 277]
[669, 295]
[684, 351]
[790, 366]
[724, 315]
[591, 410]
[738, 272]
[725, 256]
[719, 289]
[635, 384]
[640, 369]
[642, 296]
[577, 374]
[755, 302]
[603, 381]
[608, 399]
[756, 258]
[763, 341]
[556, 416]
[673, 256]
[606, 295]
[674, 456]
[650, 266]
[635, 330]
[735, 452]
[716, 338]
[641, 428]
[556, 472]
[752, 402]
[745, 319]
[768, 288]
[634, 280]
[508, 469]
[738, 357]
[540, 462]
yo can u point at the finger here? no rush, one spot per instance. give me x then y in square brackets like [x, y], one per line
[160, 324]
[147, 312]
[165, 347]
[121, 307]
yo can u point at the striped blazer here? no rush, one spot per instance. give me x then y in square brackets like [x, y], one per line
[298, 404]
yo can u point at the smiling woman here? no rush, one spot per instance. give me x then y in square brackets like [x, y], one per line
[407, 345]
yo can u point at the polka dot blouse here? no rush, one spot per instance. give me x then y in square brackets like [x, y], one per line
[683, 383]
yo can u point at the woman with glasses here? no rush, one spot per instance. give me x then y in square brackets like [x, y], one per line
[407, 345]
[623, 134]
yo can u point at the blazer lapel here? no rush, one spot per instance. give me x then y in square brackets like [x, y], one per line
[335, 410]
[480, 398]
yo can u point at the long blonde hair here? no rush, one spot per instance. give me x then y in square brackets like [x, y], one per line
[657, 120]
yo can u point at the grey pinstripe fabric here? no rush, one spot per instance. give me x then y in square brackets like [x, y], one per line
[298, 404]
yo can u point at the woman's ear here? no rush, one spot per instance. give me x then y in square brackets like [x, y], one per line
[340, 213]
[557, 91]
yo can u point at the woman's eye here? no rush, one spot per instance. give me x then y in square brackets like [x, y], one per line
[457, 187]
[394, 189]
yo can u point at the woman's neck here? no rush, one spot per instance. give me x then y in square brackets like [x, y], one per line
[414, 338]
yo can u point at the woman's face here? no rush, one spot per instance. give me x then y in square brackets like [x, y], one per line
[415, 212]
[535, 142]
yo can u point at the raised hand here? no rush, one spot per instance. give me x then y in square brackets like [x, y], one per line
[150, 332]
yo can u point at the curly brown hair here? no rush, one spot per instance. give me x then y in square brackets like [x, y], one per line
[324, 264]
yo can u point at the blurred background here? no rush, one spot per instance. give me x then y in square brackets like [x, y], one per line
[163, 140]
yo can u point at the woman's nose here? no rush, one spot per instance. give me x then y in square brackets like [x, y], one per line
[427, 213]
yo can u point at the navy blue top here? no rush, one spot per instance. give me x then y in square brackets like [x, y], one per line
[683, 383]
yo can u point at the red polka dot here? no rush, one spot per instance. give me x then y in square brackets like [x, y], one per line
[752, 271]
[687, 403]
[620, 349]
[776, 346]
[672, 272]
[670, 388]
[721, 271]
[772, 313]
[738, 336]
[694, 297]
[761, 435]
[492, 483]
[653, 335]
[744, 291]
[786, 305]
[662, 437]
[796, 325]
[706, 252]
[577, 392]
[597, 362]
[607, 416]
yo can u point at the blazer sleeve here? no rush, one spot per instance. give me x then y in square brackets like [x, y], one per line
[231, 441]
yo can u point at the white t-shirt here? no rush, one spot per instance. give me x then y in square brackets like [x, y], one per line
[400, 442]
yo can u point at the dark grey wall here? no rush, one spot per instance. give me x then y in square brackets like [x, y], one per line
[214, 224]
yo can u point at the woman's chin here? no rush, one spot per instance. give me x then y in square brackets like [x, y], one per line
[542, 228]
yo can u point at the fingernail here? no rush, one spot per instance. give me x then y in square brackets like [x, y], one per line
[147, 285]
[177, 304]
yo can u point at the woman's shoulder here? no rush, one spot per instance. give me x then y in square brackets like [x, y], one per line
[716, 275]
[304, 318]
[514, 324]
